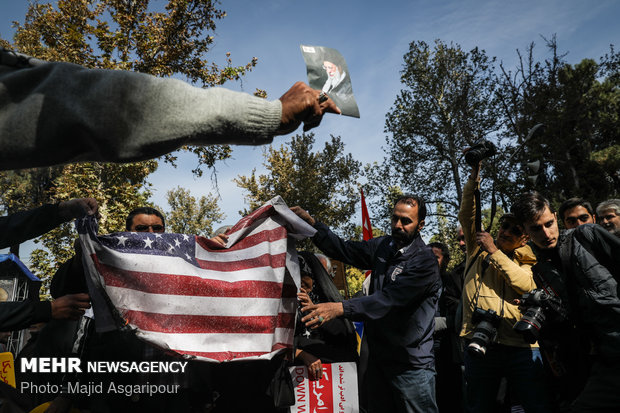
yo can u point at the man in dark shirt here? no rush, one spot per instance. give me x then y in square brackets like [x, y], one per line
[22, 226]
[579, 267]
[398, 312]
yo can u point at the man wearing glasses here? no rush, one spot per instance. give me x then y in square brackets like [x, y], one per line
[498, 272]
[145, 219]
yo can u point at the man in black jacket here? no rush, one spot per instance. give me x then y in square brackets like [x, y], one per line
[22, 226]
[580, 267]
[398, 312]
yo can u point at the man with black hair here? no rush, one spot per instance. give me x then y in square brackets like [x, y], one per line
[498, 272]
[576, 211]
[581, 268]
[145, 219]
[399, 311]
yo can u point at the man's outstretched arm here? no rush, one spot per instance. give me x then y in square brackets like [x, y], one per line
[53, 113]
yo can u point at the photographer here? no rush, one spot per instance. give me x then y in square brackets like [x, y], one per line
[497, 272]
[581, 267]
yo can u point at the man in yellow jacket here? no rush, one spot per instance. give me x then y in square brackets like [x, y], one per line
[496, 273]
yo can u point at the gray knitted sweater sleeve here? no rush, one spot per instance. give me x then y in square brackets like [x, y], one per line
[54, 113]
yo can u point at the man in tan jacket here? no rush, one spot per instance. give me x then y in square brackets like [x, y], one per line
[496, 273]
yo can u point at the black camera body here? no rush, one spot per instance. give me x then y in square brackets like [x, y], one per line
[485, 332]
[479, 151]
[537, 302]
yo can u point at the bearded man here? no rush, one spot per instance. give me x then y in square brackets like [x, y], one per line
[399, 311]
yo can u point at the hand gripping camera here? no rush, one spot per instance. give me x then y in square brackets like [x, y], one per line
[485, 332]
[479, 152]
[537, 302]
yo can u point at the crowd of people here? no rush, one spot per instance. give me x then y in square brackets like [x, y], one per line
[529, 320]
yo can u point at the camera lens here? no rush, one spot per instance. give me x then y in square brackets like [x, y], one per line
[483, 335]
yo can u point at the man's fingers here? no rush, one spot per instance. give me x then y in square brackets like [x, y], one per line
[330, 106]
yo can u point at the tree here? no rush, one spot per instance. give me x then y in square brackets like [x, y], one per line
[324, 182]
[190, 216]
[113, 34]
[447, 104]
[118, 189]
[579, 106]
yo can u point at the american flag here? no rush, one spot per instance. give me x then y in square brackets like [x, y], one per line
[181, 293]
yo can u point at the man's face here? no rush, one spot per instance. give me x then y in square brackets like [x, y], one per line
[461, 239]
[147, 223]
[544, 231]
[576, 216]
[330, 68]
[405, 224]
[439, 254]
[510, 236]
[306, 283]
[610, 221]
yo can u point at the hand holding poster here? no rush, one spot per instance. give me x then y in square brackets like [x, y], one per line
[327, 71]
[335, 392]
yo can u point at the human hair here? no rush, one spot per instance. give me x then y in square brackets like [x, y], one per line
[413, 200]
[221, 230]
[572, 203]
[145, 211]
[530, 206]
[613, 204]
[445, 252]
[326, 262]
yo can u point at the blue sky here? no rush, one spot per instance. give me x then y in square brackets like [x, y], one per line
[373, 37]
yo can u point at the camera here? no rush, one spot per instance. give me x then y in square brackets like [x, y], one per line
[532, 320]
[485, 332]
[479, 151]
[537, 302]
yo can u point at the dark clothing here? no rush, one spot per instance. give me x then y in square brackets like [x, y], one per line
[22, 226]
[15, 229]
[17, 315]
[405, 285]
[342, 95]
[449, 354]
[334, 340]
[583, 270]
[589, 259]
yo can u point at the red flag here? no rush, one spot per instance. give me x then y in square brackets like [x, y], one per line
[366, 227]
[182, 294]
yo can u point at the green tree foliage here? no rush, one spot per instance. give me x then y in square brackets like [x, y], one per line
[190, 216]
[447, 103]
[355, 278]
[117, 188]
[324, 182]
[580, 107]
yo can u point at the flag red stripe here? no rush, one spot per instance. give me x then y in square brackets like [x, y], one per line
[229, 355]
[262, 212]
[200, 324]
[265, 260]
[187, 285]
[272, 235]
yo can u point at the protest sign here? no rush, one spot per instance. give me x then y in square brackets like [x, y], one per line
[335, 392]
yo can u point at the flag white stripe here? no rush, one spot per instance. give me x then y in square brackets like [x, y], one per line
[128, 299]
[266, 247]
[157, 264]
[209, 343]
